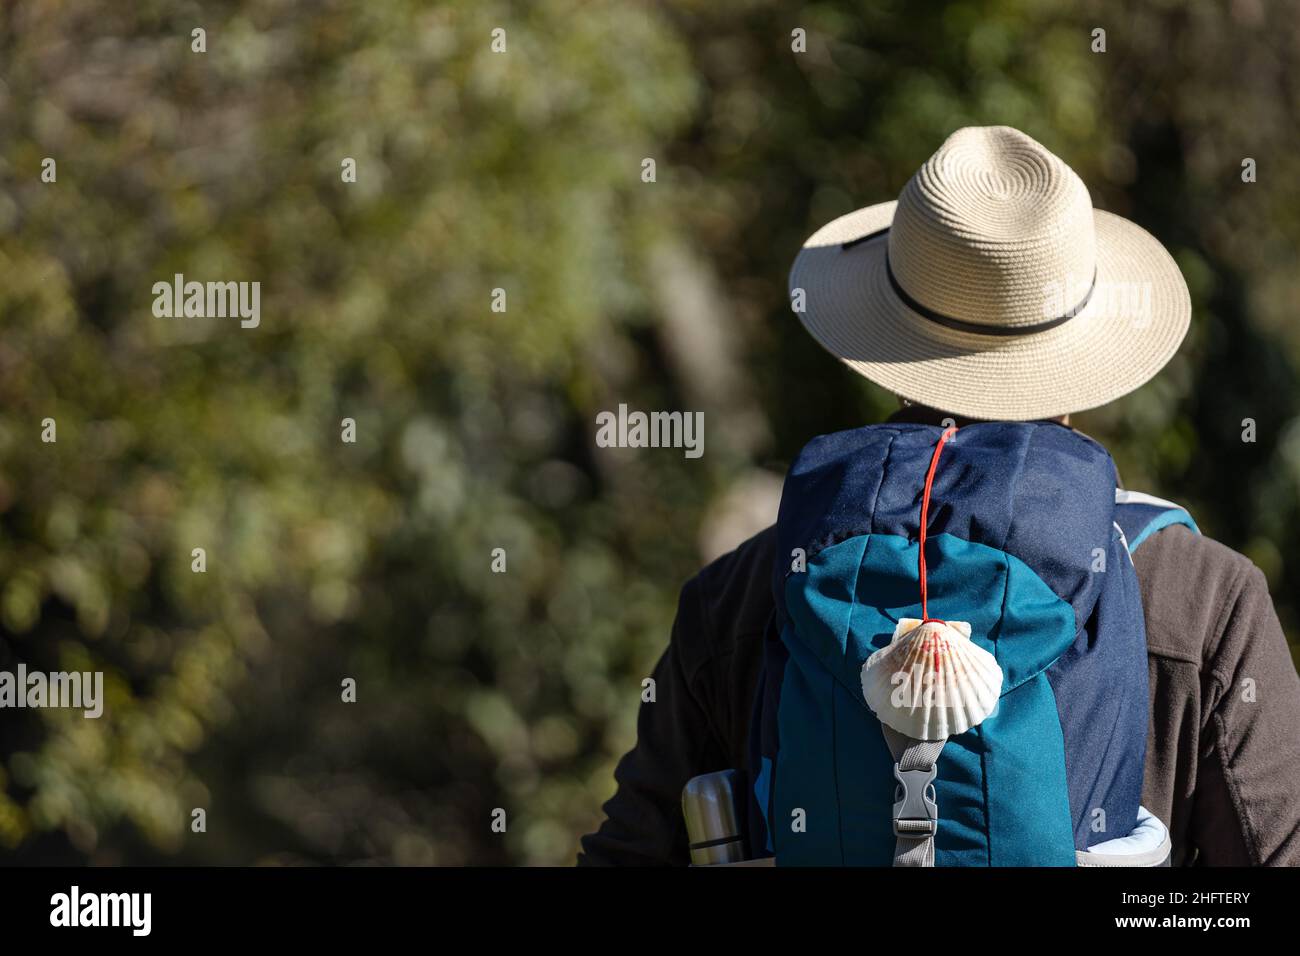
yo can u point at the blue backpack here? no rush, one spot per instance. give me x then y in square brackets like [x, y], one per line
[1030, 751]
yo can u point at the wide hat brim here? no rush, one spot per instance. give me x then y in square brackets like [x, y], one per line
[1132, 325]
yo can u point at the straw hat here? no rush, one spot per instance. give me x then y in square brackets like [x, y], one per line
[991, 288]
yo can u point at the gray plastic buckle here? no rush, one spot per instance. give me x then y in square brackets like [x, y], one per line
[916, 814]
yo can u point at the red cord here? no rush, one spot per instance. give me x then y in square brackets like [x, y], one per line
[925, 517]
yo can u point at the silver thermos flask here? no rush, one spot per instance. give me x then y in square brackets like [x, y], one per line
[712, 820]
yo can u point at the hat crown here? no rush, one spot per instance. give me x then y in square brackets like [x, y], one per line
[994, 229]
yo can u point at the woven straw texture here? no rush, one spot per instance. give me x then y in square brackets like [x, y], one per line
[994, 230]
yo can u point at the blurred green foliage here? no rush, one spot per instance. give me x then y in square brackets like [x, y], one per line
[518, 171]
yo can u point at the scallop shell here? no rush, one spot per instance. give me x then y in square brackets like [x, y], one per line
[932, 681]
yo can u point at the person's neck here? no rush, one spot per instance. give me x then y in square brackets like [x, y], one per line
[924, 415]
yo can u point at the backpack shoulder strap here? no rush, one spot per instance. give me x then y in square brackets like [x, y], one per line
[1139, 516]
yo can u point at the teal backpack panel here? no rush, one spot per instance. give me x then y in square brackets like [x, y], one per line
[1005, 809]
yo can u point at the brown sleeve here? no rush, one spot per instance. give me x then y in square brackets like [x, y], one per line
[1246, 808]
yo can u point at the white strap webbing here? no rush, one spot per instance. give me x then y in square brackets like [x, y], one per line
[915, 816]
